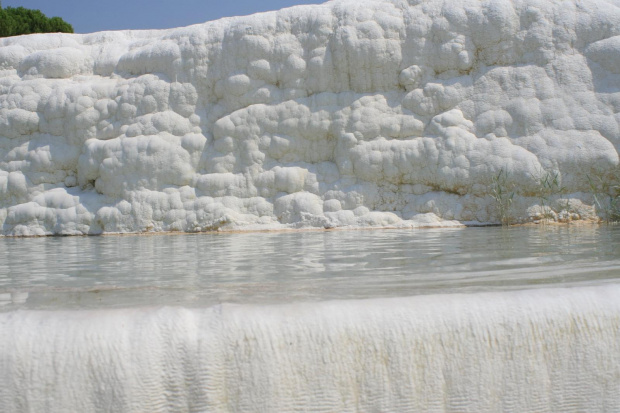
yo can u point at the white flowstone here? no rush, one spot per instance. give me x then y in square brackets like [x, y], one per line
[539, 350]
[405, 108]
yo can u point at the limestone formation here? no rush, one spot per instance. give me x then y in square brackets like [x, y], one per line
[351, 113]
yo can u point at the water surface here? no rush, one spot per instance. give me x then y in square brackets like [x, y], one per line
[206, 269]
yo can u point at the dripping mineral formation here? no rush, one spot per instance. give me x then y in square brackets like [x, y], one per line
[351, 113]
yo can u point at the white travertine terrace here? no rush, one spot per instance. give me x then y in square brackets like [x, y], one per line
[351, 113]
[541, 351]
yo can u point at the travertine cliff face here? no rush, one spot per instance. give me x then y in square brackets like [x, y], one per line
[350, 113]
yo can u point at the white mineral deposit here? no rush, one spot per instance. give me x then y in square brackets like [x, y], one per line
[348, 114]
[536, 351]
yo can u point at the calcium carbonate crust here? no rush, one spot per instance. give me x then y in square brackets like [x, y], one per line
[347, 114]
[544, 351]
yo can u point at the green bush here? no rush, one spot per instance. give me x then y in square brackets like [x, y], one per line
[19, 20]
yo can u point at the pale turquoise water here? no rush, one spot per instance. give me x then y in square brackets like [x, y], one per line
[204, 269]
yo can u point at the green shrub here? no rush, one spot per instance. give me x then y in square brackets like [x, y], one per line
[15, 21]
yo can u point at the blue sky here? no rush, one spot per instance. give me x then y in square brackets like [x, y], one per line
[91, 16]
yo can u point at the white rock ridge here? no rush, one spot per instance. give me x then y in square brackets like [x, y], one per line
[350, 113]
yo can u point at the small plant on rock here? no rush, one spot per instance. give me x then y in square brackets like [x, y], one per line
[503, 196]
[606, 192]
[549, 187]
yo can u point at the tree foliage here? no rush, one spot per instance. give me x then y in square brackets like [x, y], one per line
[19, 20]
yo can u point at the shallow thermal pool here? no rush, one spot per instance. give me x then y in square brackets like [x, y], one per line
[461, 320]
[264, 268]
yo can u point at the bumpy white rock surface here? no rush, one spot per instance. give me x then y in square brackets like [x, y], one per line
[541, 351]
[350, 113]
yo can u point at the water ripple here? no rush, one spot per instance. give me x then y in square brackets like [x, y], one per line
[280, 267]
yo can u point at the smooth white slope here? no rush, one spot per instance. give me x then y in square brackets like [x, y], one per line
[350, 113]
[535, 351]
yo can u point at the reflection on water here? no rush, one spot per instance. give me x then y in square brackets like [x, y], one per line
[205, 269]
